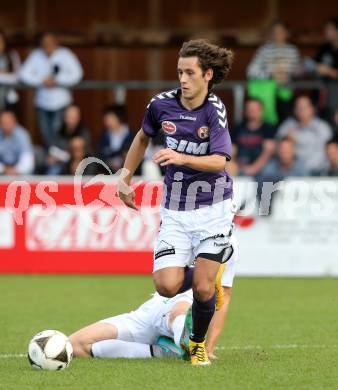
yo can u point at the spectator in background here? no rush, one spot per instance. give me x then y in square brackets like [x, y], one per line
[78, 152]
[327, 56]
[277, 59]
[284, 164]
[72, 126]
[335, 123]
[275, 64]
[327, 67]
[331, 151]
[9, 67]
[253, 140]
[116, 137]
[150, 171]
[52, 69]
[16, 151]
[309, 133]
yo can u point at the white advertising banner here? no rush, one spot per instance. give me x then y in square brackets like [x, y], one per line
[300, 235]
[6, 229]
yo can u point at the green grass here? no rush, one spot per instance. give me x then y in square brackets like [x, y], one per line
[281, 334]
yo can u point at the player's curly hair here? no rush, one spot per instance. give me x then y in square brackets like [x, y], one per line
[211, 56]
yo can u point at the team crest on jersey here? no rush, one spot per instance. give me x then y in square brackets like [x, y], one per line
[203, 132]
[169, 127]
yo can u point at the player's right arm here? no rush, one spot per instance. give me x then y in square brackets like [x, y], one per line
[133, 159]
[149, 129]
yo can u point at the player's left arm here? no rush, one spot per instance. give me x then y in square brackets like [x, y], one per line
[217, 323]
[219, 147]
[212, 163]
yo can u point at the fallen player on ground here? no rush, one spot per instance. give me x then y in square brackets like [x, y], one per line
[139, 334]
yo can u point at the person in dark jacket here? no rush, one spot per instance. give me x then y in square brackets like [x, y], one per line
[116, 137]
[72, 126]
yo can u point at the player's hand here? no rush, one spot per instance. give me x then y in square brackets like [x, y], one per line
[212, 356]
[168, 156]
[127, 195]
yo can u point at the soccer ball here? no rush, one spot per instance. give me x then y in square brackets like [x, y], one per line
[50, 350]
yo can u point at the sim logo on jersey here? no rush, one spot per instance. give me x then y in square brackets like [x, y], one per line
[169, 127]
[187, 146]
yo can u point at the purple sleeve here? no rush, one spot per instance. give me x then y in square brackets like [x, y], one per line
[220, 141]
[150, 123]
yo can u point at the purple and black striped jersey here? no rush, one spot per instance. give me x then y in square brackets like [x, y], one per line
[200, 132]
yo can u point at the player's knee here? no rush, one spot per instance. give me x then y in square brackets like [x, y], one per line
[203, 290]
[166, 291]
[165, 288]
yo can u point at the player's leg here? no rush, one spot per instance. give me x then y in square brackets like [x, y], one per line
[169, 280]
[83, 339]
[211, 247]
[217, 323]
[204, 296]
[172, 323]
[172, 255]
[177, 318]
[203, 308]
[110, 339]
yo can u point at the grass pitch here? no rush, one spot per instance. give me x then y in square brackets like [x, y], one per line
[281, 333]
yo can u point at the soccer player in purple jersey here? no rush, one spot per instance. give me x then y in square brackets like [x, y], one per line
[197, 209]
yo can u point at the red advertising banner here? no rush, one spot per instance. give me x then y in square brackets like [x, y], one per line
[60, 227]
[74, 227]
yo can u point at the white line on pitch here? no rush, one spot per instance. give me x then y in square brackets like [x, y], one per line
[224, 347]
[277, 346]
[12, 355]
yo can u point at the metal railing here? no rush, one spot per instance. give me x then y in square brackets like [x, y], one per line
[238, 88]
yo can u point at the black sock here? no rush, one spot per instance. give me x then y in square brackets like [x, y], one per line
[202, 313]
[187, 282]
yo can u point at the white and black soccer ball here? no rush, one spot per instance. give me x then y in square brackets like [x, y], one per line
[50, 350]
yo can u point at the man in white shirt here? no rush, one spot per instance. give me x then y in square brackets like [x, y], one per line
[16, 151]
[52, 69]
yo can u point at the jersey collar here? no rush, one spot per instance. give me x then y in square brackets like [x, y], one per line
[178, 98]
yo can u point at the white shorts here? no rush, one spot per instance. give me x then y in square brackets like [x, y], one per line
[230, 266]
[150, 321]
[184, 235]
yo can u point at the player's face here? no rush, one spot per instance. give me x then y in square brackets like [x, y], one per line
[193, 82]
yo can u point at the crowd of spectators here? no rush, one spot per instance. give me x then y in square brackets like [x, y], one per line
[283, 134]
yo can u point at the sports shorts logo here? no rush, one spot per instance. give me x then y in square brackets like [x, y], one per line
[169, 127]
[203, 132]
[164, 249]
